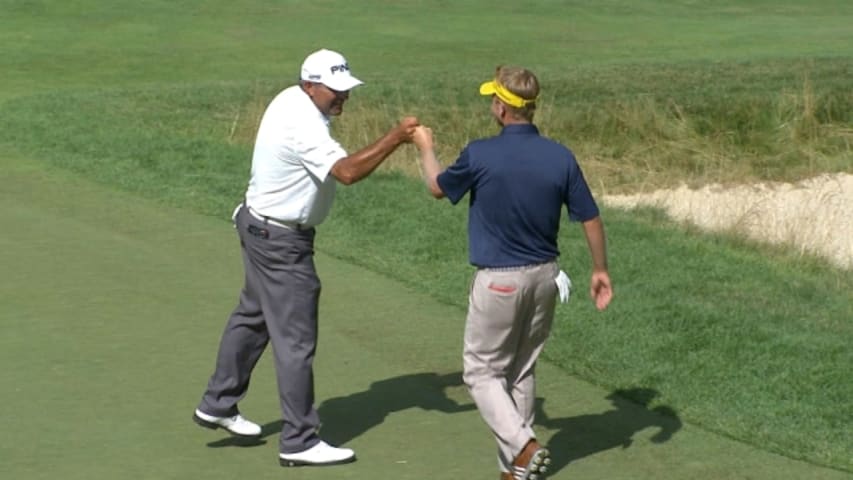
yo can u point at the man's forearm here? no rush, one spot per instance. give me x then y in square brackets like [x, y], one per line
[362, 163]
[431, 169]
[597, 242]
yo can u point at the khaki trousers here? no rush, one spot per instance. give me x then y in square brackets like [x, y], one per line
[510, 313]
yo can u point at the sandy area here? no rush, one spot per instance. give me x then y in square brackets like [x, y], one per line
[815, 215]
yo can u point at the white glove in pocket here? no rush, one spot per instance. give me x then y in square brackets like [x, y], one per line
[564, 286]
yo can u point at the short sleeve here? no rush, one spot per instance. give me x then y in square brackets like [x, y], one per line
[458, 178]
[318, 151]
[579, 200]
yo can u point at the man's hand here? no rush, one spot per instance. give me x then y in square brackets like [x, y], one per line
[406, 128]
[600, 289]
[422, 138]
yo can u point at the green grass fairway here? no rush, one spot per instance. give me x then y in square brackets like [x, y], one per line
[112, 308]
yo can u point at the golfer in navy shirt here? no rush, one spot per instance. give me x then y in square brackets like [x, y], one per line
[517, 183]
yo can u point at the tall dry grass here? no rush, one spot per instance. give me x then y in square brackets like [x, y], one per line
[633, 144]
[645, 150]
[630, 144]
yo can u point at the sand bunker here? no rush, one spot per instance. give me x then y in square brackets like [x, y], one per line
[815, 215]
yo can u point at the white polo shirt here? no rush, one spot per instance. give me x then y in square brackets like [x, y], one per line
[293, 155]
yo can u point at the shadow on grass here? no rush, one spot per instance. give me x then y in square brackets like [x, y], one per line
[348, 417]
[235, 441]
[580, 436]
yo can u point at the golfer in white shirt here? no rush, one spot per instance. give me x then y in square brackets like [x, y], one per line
[296, 166]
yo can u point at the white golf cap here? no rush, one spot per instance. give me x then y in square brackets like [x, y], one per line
[329, 68]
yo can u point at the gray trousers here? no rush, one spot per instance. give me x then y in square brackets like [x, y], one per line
[510, 313]
[278, 304]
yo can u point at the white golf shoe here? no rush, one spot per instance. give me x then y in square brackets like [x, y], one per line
[318, 455]
[237, 425]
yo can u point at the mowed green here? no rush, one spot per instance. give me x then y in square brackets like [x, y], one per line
[112, 307]
[159, 98]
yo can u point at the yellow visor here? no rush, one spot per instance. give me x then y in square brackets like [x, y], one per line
[511, 99]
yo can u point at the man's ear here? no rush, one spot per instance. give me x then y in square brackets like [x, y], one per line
[502, 112]
[308, 87]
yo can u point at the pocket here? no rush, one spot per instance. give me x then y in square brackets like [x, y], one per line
[502, 288]
[502, 284]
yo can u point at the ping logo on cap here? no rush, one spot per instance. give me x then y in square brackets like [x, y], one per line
[340, 68]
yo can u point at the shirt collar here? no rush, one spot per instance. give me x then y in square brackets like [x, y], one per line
[520, 129]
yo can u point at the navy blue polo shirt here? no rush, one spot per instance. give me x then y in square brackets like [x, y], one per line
[518, 182]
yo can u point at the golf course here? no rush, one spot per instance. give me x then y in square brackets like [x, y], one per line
[126, 135]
